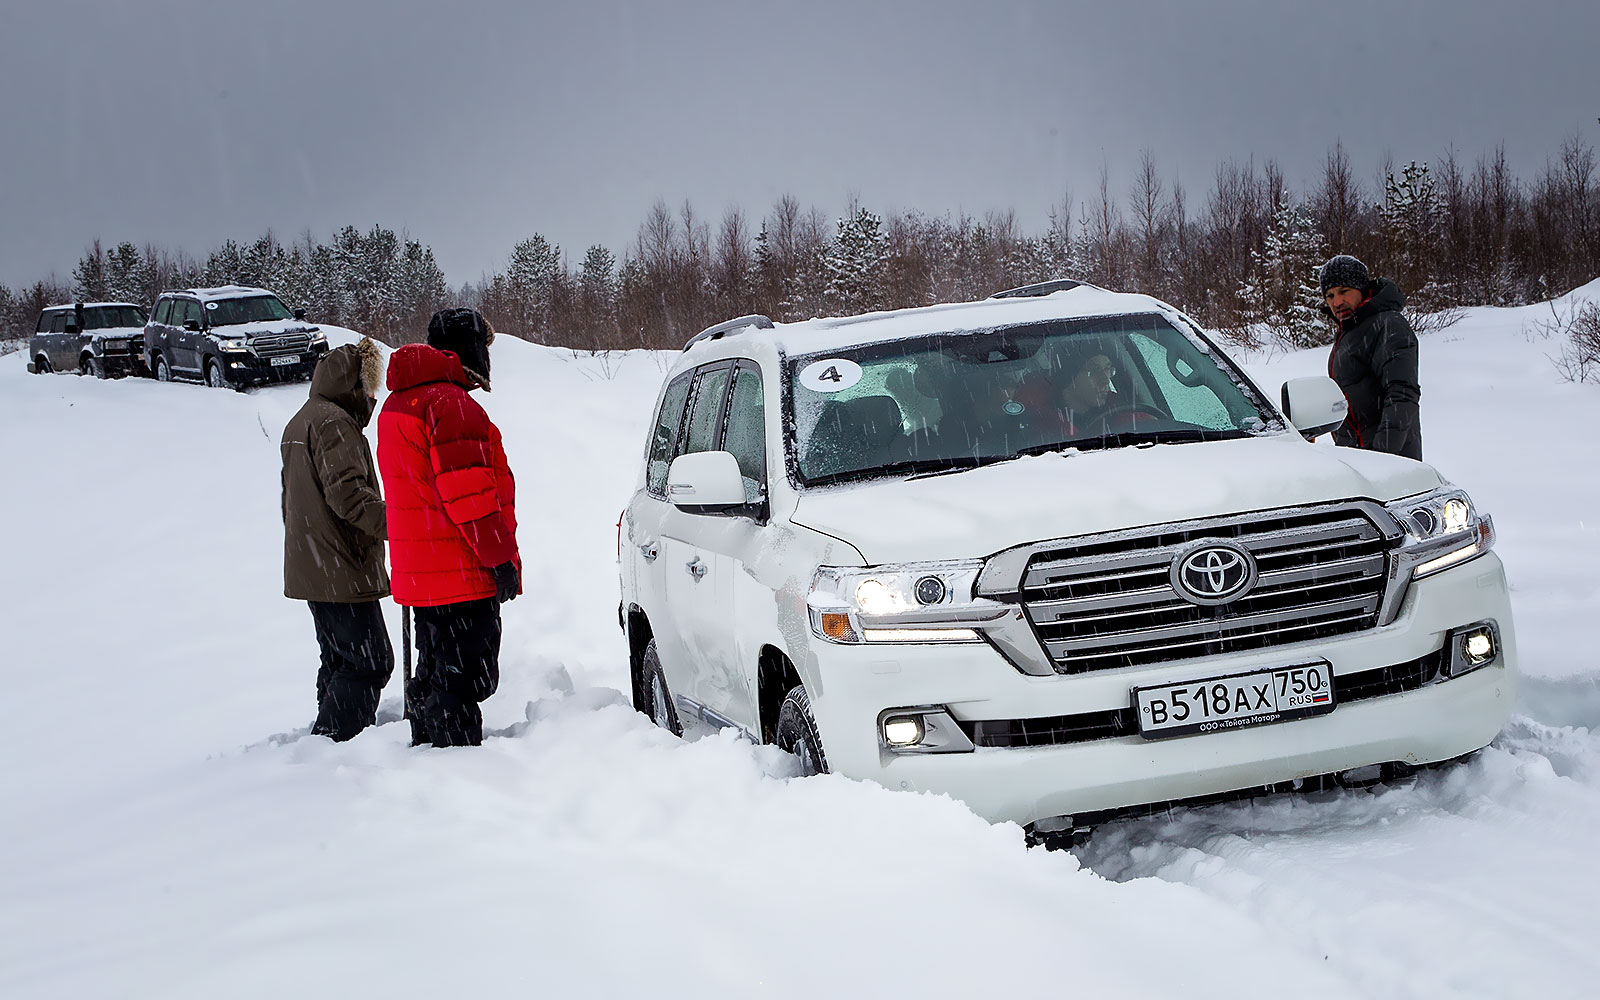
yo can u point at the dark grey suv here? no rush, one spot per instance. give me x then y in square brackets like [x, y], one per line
[230, 337]
[103, 339]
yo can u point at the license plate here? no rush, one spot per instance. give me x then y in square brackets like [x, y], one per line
[1216, 704]
[291, 359]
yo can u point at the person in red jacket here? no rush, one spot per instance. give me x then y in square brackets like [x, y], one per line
[452, 523]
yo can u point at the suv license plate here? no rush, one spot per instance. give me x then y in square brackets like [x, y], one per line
[290, 359]
[1215, 704]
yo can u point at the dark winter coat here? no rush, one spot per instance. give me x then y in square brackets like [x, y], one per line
[452, 501]
[1374, 360]
[333, 516]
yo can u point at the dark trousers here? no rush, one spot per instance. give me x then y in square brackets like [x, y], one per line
[458, 666]
[356, 663]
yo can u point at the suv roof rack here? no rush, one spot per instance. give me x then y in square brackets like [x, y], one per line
[1039, 288]
[731, 326]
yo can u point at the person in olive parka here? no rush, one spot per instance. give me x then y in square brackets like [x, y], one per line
[1374, 360]
[334, 526]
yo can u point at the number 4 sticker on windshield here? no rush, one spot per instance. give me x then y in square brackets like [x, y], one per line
[830, 375]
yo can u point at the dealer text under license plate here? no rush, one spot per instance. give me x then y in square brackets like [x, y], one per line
[1216, 704]
[292, 359]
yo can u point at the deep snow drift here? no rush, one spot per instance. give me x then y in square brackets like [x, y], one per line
[169, 832]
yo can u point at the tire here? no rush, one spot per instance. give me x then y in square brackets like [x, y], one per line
[663, 711]
[163, 371]
[97, 368]
[797, 732]
[214, 377]
[41, 365]
[86, 365]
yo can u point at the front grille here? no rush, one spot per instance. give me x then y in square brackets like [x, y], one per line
[1085, 727]
[1110, 603]
[278, 344]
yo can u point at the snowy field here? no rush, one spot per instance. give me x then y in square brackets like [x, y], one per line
[168, 831]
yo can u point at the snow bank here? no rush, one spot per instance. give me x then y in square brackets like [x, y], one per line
[169, 831]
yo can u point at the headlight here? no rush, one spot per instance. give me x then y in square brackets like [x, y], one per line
[1443, 528]
[911, 602]
[232, 344]
[318, 338]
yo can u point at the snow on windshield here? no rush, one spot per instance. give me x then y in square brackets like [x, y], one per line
[255, 309]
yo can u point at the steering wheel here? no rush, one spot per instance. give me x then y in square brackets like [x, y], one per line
[1129, 414]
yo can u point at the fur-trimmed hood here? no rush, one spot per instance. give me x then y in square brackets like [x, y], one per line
[349, 377]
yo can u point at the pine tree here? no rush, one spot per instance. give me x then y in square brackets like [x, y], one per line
[89, 277]
[1280, 291]
[854, 263]
[597, 295]
[1412, 217]
[529, 280]
[123, 274]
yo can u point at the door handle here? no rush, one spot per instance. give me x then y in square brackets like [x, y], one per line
[696, 568]
[649, 549]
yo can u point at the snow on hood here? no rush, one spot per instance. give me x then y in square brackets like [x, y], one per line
[263, 328]
[981, 511]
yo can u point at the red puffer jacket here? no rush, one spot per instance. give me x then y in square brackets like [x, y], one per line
[450, 494]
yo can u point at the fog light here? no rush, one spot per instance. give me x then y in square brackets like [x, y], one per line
[1477, 648]
[902, 730]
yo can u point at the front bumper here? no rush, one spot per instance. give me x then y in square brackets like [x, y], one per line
[248, 369]
[855, 685]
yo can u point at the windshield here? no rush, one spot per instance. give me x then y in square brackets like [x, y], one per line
[112, 317]
[962, 399]
[255, 309]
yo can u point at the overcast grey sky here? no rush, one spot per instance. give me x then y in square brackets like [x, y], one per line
[472, 125]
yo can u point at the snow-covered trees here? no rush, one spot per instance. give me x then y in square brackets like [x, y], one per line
[1412, 218]
[854, 263]
[1281, 292]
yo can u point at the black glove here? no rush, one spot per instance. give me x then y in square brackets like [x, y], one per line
[507, 582]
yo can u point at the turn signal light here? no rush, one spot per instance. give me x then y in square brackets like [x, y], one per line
[836, 626]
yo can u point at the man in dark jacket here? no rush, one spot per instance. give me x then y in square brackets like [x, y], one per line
[452, 523]
[1374, 360]
[334, 527]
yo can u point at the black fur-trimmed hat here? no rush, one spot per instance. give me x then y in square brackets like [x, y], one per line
[466, 334]
[1344, 271]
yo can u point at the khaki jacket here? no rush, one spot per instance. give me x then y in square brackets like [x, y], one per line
[334, 523]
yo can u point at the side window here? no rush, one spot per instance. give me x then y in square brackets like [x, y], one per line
[58, 322]
[745, 436]
[43, 326]
[191, 310]
[706, 410]
[664, 439]
[164, 311]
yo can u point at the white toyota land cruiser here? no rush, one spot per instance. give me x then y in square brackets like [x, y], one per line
[1052, 554]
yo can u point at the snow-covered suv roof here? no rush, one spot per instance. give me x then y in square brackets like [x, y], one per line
[220, 292]
[90, 305]
[823, 334]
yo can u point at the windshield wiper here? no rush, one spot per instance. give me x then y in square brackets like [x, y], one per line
[1122, 439]
[913, 466]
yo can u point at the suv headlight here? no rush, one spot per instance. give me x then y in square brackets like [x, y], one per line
[318, 338]
[1443, 528]
[232, 343]
[909, 602]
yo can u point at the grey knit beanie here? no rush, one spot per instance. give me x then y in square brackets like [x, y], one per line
[1346, 272]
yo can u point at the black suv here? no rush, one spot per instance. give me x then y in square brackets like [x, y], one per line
[230, 337]
[91, 338]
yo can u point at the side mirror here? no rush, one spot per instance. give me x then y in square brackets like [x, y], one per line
[705, 482]
[191, 324]
[1314, 406]
[299, 314]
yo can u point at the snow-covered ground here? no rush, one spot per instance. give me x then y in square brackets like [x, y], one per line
[167, 831]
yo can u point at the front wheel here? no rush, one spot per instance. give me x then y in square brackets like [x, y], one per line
[214, 377]
[41, 365]
[663, 711]
[97, 368]
[797, 732]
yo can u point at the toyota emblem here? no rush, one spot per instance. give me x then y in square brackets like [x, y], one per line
[1213, 573]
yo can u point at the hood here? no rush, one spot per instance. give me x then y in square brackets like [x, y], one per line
[415, 364]
[981, 511]
[349, 377]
